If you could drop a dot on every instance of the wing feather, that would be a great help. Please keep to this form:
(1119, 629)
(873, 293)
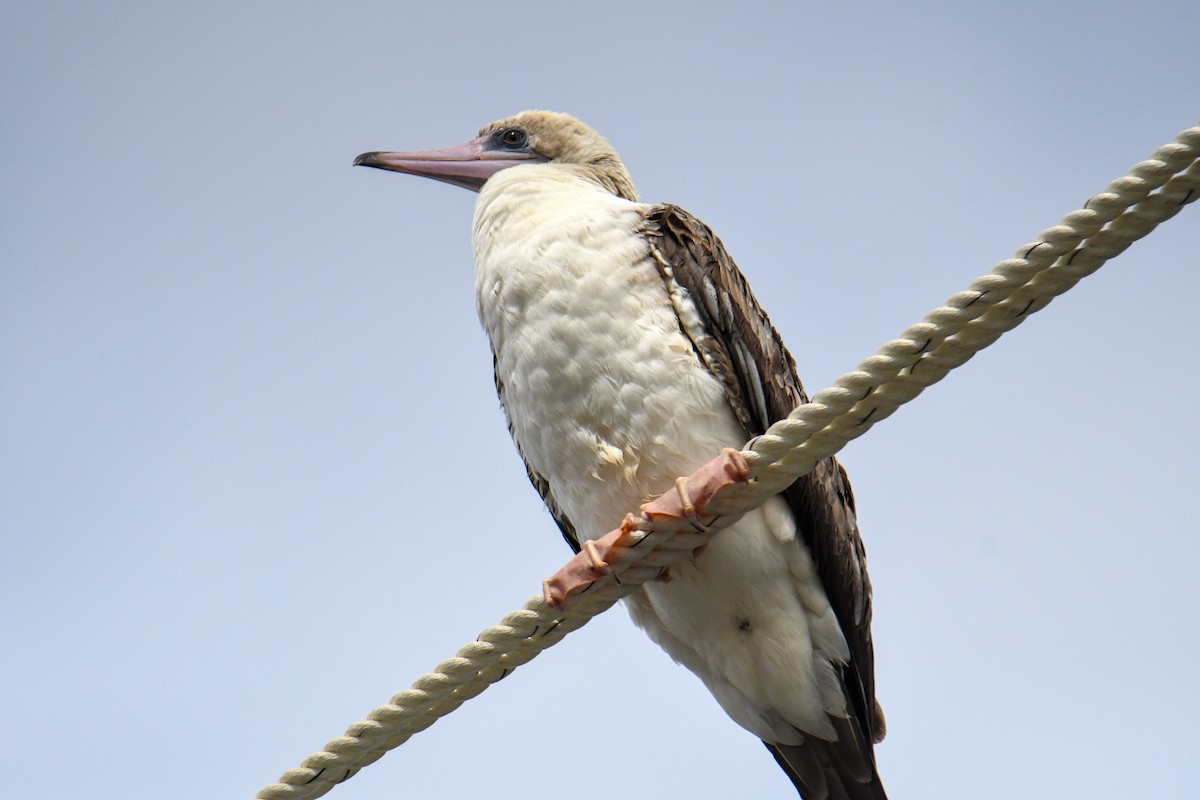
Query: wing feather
(738, 344)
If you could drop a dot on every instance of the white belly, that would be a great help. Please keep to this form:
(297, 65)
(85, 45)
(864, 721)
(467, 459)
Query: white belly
(609, 402)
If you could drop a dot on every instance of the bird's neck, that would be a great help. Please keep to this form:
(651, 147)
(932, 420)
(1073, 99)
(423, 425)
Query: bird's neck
(522, 210)
(543, 231)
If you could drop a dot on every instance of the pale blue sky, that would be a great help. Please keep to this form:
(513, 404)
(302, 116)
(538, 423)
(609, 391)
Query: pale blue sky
(254, 478)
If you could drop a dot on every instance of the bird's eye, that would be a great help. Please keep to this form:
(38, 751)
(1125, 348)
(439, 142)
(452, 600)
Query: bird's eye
(514, 138)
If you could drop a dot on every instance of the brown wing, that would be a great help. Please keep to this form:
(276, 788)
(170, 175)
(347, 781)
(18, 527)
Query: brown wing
(737, 342)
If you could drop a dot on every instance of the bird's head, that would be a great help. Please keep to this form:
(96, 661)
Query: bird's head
(531, 137)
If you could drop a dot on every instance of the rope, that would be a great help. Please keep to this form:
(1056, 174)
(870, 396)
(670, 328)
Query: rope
(971, 320)
(1154, 191)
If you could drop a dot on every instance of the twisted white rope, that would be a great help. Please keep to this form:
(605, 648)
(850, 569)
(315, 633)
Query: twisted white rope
(1131, 207)
(971, 320)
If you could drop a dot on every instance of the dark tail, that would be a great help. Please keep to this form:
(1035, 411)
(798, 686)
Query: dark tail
(841, 770)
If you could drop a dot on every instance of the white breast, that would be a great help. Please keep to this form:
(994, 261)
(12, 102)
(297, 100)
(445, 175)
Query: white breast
(603, 391)
(609, 402)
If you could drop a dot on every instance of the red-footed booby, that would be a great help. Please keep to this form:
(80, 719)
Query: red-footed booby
(629, 351)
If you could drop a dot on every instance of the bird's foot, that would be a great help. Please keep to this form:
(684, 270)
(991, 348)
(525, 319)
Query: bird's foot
(685, 503)
(594, 561)
(694, 493)
(598, 562)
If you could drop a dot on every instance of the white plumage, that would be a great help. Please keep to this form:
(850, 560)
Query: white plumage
(608, 400)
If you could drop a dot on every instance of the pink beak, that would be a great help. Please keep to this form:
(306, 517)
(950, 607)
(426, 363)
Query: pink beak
(467, 165)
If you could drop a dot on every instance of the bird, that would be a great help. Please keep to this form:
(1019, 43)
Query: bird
(628, 350)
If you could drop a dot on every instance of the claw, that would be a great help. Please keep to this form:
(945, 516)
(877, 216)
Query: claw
(689, 507)
(598, 563)
(734, 460)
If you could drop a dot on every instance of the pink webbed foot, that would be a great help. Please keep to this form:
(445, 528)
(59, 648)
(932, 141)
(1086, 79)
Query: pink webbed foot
(591, 563)
(685, 502)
